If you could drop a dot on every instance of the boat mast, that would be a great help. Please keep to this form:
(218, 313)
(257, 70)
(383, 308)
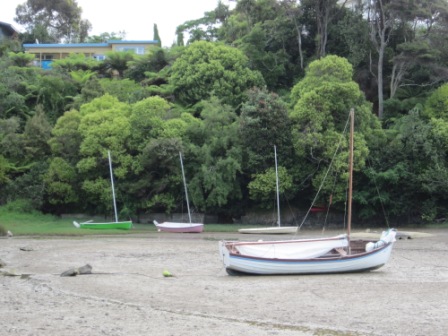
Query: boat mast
(277, 188)
(185, 186)
(350, 181)
(112, 184)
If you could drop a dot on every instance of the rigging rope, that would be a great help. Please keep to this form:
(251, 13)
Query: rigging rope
(326, 174)
(379, 196)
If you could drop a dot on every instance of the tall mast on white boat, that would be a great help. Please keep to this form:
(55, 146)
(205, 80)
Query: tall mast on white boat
(112, 184)
(350, 180)
(185, 186)
(277, 187)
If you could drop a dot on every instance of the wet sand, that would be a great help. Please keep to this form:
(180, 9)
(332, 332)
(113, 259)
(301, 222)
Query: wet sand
(127, 293)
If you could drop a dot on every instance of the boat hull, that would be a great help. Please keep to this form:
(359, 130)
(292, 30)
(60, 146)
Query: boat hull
(357, 262)
(126, 225)
(179, 227)
(270, 230)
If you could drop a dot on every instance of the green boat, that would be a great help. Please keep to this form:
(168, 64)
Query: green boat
(125, 225)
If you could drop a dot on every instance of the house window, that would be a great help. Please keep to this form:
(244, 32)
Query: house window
(99, 57)
(137, 50)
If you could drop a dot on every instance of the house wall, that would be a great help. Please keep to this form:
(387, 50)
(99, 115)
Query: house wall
(45, 53)
(142, 47)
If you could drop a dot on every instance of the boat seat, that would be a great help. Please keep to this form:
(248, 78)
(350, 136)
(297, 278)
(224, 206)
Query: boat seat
(341, 251)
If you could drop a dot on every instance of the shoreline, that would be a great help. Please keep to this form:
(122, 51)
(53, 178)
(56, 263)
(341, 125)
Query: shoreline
(127, 294)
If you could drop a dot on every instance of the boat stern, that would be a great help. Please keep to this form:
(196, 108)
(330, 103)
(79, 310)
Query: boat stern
(224, 252)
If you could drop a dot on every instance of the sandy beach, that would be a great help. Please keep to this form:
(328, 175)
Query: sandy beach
(127, 294)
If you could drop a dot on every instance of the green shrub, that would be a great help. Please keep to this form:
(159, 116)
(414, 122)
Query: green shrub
(19, 206)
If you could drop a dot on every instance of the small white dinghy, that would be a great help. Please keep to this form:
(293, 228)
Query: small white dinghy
(181, 227)
(279, 229)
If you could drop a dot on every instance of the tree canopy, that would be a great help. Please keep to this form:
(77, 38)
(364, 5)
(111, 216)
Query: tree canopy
(206, 68)
(53, 21)
(248, 77)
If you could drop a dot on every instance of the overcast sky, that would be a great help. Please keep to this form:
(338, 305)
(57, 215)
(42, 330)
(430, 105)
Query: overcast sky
(135, 17)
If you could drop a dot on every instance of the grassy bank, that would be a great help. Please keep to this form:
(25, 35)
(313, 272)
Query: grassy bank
(38, 224)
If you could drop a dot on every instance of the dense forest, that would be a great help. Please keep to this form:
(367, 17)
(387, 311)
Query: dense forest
(237, 82)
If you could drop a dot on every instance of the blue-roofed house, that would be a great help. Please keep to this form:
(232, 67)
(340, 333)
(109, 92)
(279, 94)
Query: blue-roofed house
(45, 53)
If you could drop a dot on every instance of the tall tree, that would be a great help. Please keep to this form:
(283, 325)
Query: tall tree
(294, 12)
(322, 13)
(322, 101)
(60, 184)
(382, 17)
(410, 170)
(157, 36)
(104, 125)
(12, 146)
(65, 137)
(159, 182)
(53, 21)
(264, 122)
(207, 68)
(104, 37)
(146, 121)
(27, 180)
(216, 184)
(326, 10)
(271, 35)
(418, 61)
(205, 28)
(54, 93)
(36, 134)
(180, 39)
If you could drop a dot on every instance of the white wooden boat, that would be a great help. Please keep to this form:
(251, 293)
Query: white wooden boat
(316, 256)
(123, 225)
(279, 229)
(181, 227)
(310, 256)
